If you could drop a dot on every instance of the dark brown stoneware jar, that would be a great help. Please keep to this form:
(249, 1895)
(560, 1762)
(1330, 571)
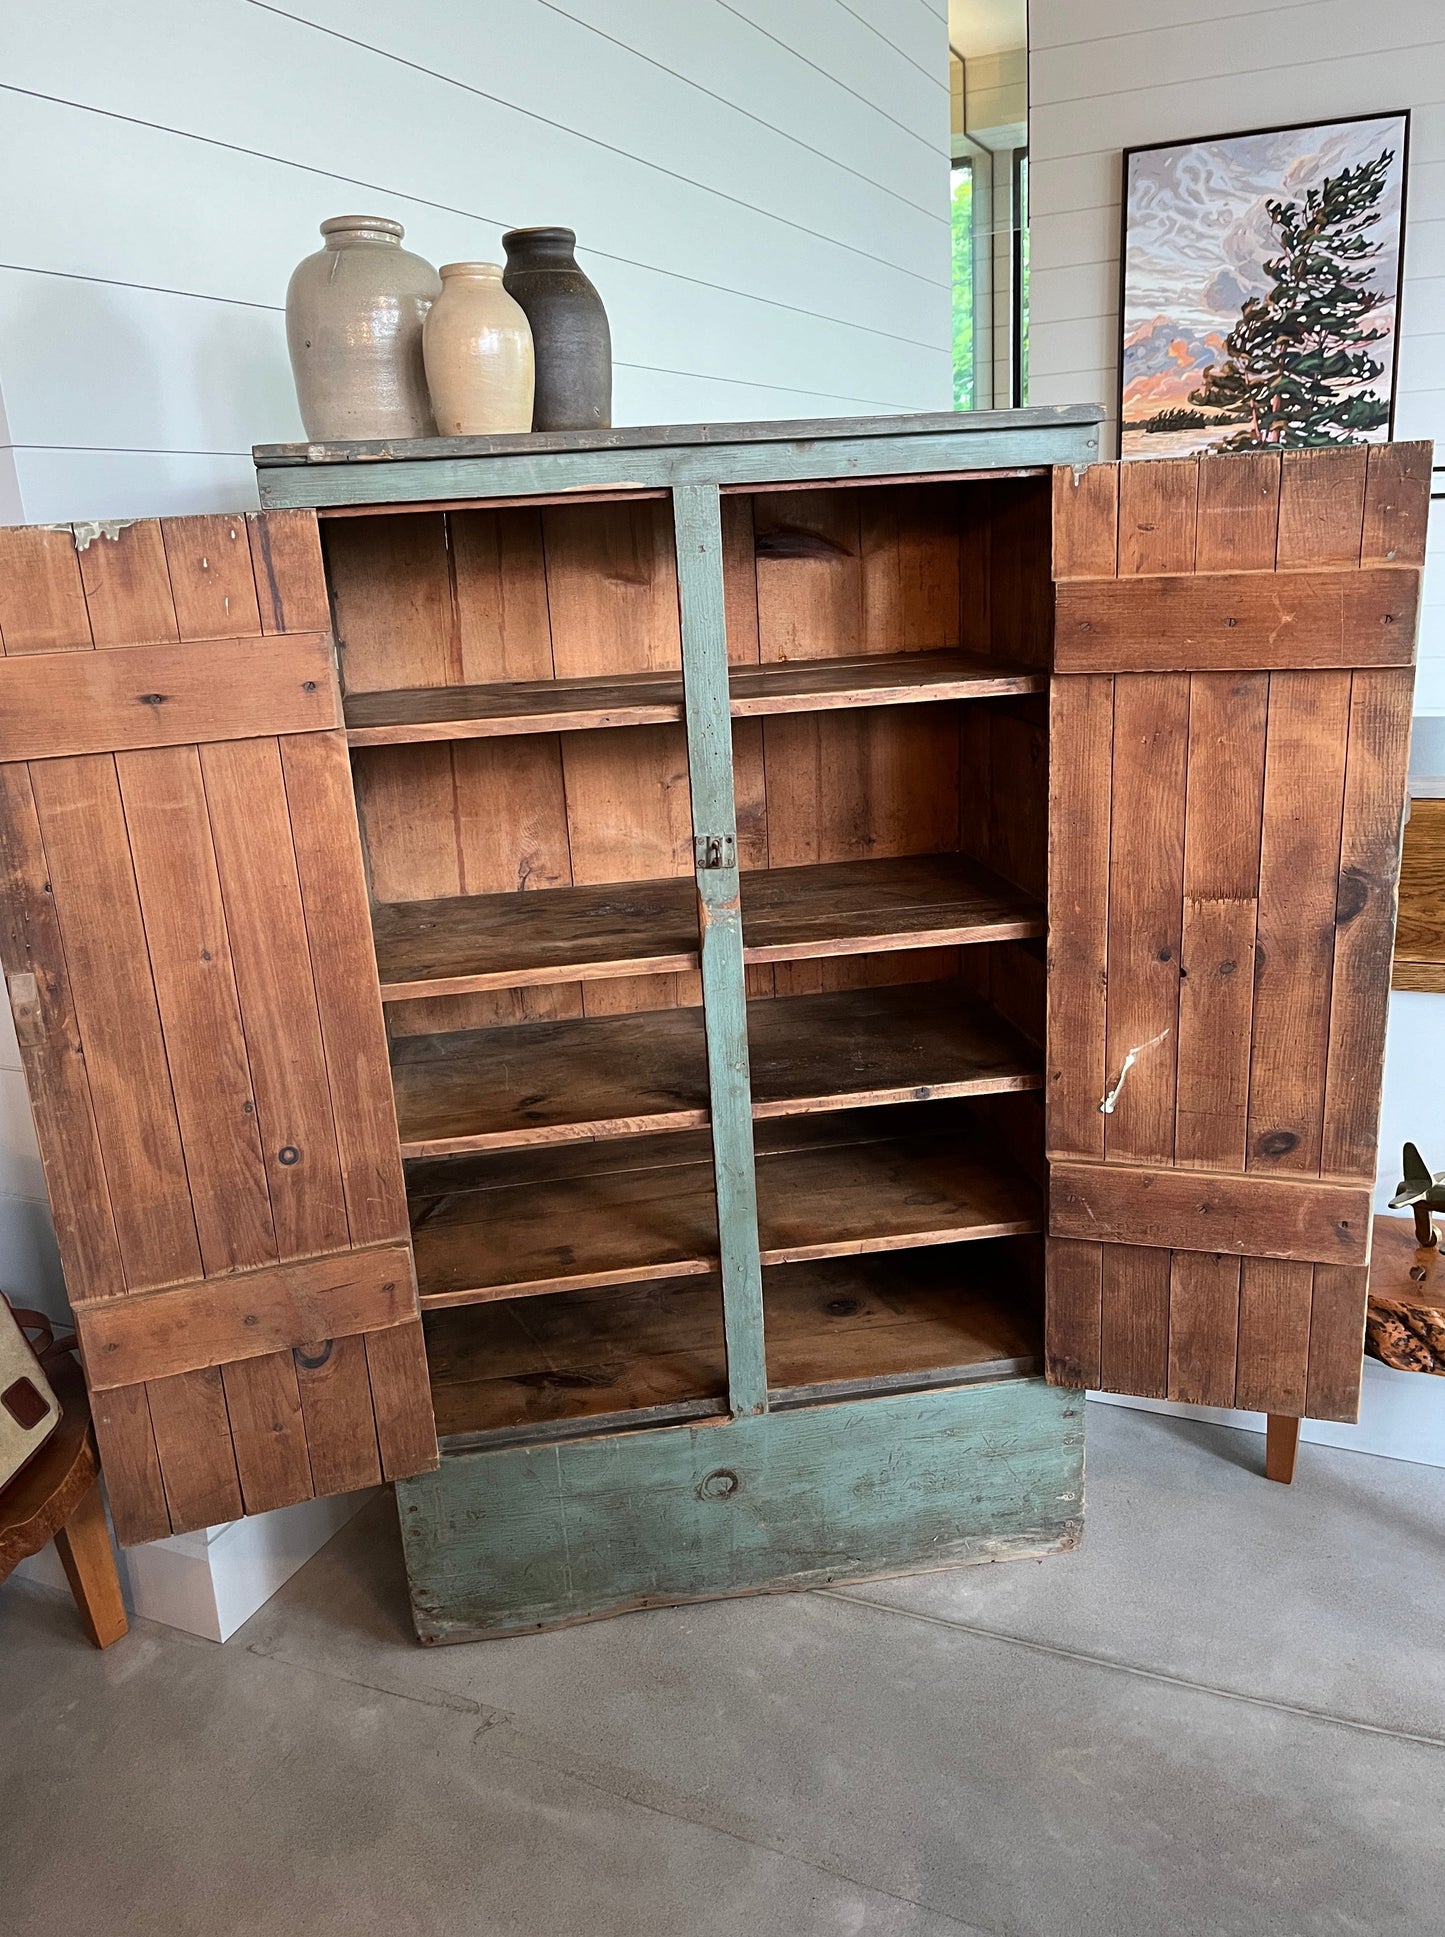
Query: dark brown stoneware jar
(570, 337)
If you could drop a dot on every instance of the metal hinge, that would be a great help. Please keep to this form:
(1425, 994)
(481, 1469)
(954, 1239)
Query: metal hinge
(715, 851)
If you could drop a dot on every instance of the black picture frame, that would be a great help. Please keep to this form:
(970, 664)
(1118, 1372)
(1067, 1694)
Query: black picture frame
(1244, 134)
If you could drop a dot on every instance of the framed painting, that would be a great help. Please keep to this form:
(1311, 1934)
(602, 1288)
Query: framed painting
(1260, 288)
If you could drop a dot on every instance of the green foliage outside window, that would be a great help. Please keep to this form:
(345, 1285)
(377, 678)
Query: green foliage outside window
(962, 217)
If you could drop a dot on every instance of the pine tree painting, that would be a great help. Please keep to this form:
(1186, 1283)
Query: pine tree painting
(1260, 279)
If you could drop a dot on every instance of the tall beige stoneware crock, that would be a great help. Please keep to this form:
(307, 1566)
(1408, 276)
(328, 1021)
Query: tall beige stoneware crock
(477, 344)
(354, 315)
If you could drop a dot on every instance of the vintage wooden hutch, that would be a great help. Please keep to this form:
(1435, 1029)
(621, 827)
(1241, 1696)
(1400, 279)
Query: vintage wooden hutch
(719, 973)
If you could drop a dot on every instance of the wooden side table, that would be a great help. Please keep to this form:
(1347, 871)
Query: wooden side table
(57, 1497)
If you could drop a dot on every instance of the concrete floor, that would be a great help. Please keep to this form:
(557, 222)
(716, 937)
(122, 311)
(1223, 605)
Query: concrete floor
(1224, 1717)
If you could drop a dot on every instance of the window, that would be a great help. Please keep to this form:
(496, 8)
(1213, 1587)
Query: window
(963, 244)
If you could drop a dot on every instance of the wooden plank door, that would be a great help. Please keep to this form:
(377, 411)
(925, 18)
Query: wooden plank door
(1234, 646)
(184, 932)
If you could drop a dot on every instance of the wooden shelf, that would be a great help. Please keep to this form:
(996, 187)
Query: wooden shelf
(653, 1353)
(466, 943)
(563, 1217)
(650, 699)
(616, 1076)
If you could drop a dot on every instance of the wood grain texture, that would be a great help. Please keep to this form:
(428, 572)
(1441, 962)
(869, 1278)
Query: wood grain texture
(1238, 621)
(92, 882)
(48, 1033)
(197, 1454)
(1275, 1297)
(213, 587)
(245, 798)
(268, 1432)
(1376, 762)
(1299, 864)
(318, 793)
(200, 1012)
(849, 1325)
(1206, 1210)
(1073, 1311)
(455, 944)
(1419, 957)
(192, 992)
(1134, 1320)
(128, 1453)
(248, 1315)
(1146, 871)
(1288, 799)
(127, 584)
(1203, 1327)
(1224, 805)
(1081, 732)
(289, 575)
(53, 704)
(1397, 504)
(562, 1217)
(334, 1387)
(850, 1490)
(610, 1076)
(42, 599)
(653, 698)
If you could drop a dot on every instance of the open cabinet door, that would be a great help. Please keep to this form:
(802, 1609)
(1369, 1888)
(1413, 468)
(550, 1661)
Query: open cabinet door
(1234, 646)
(187, 950)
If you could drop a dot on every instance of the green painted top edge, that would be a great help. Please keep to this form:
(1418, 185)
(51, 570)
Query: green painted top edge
(630, 437)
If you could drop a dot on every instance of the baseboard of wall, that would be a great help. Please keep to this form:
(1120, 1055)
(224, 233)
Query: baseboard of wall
(211, 1583)
(1402, 1416)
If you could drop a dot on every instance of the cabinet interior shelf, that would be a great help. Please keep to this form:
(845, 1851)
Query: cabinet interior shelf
(653, 1353)
(468, 943)
(655, 698)
(517, 1224)
(617, 1076)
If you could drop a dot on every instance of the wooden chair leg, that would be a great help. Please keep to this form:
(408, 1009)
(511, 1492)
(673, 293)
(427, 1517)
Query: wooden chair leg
(1281, 1443)
(88, 1558)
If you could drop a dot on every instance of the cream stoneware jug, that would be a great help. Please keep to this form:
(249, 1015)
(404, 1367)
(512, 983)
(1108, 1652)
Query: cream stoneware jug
(354, 315)
(477, 344)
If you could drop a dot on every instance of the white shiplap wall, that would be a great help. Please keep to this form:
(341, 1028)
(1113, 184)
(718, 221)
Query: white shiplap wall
(760, 188)
(1105, 75)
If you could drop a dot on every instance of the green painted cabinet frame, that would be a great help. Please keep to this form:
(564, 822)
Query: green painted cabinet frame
(759, 1500)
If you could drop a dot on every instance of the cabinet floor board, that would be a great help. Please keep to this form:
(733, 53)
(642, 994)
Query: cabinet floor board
(650, 1352)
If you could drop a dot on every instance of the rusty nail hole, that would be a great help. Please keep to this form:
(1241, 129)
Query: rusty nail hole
(152, 699)
(249, 1319)
(308, 685)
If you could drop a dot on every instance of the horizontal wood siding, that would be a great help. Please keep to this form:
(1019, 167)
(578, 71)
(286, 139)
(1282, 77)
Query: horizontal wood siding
(1224, 852)
(186, 950)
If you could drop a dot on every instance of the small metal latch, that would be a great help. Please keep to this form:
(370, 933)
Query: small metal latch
(715, 851)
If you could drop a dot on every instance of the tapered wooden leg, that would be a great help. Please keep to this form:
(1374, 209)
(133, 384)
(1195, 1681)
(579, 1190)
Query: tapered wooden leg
(1281, 1443)
(88, 1558)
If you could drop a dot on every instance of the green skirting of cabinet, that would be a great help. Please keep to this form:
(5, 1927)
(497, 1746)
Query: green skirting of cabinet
(509, 1540)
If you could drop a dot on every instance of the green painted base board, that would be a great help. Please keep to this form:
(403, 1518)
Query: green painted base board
(526, 1537)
